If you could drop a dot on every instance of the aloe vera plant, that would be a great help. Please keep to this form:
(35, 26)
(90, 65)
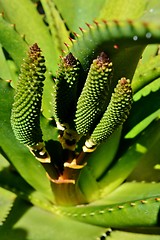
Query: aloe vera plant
(79, 119)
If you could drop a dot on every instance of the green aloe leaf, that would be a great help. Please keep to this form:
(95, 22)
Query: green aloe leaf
(146, 73)
(59, 32)
(6, 201)
(105, 153)
(5, 71)
(12, 41)
(121, 10)
(17, 153)
(32, 223)
(141, 117)
(140, 147)
(130, 191)
(148, 169)
(149, 52)
(125, 214)
(152, 12)
(6, 197)
(116, 235)
(29, 23)
(77, 13)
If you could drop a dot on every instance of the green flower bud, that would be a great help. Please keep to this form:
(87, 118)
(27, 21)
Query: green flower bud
(65, 92)
(26, 109)
(115, 115)
(92, 101)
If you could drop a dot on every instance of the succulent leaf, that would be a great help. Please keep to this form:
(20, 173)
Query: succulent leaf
(17, 47)
(30, 23)
(128, 214)
(25, 116)
(116, 113)
(92, 101)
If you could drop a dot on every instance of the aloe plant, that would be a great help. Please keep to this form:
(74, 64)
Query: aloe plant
(79, 119)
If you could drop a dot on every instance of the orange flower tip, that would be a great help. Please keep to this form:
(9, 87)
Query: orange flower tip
(123, 81)
(34, 48)
(74, 165)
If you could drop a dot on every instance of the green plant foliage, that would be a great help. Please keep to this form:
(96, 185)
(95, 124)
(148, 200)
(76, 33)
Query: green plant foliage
(18, 151)
(93, 124)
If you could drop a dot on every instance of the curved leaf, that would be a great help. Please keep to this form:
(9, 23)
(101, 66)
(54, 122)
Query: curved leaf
(149, 98)
(6, 202)
(27, 165)
(140, 148)
(29, 23)
(116, 235)
(123, 9)
(5, 71)
(12, 41)
(77, 13)
(146, 73)
(134, 213)
(59, 32)
(37, 224)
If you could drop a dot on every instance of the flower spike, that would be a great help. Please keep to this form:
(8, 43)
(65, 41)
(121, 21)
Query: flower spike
(65, 91)
(92, 101)
(26, 109)
(115, 115)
